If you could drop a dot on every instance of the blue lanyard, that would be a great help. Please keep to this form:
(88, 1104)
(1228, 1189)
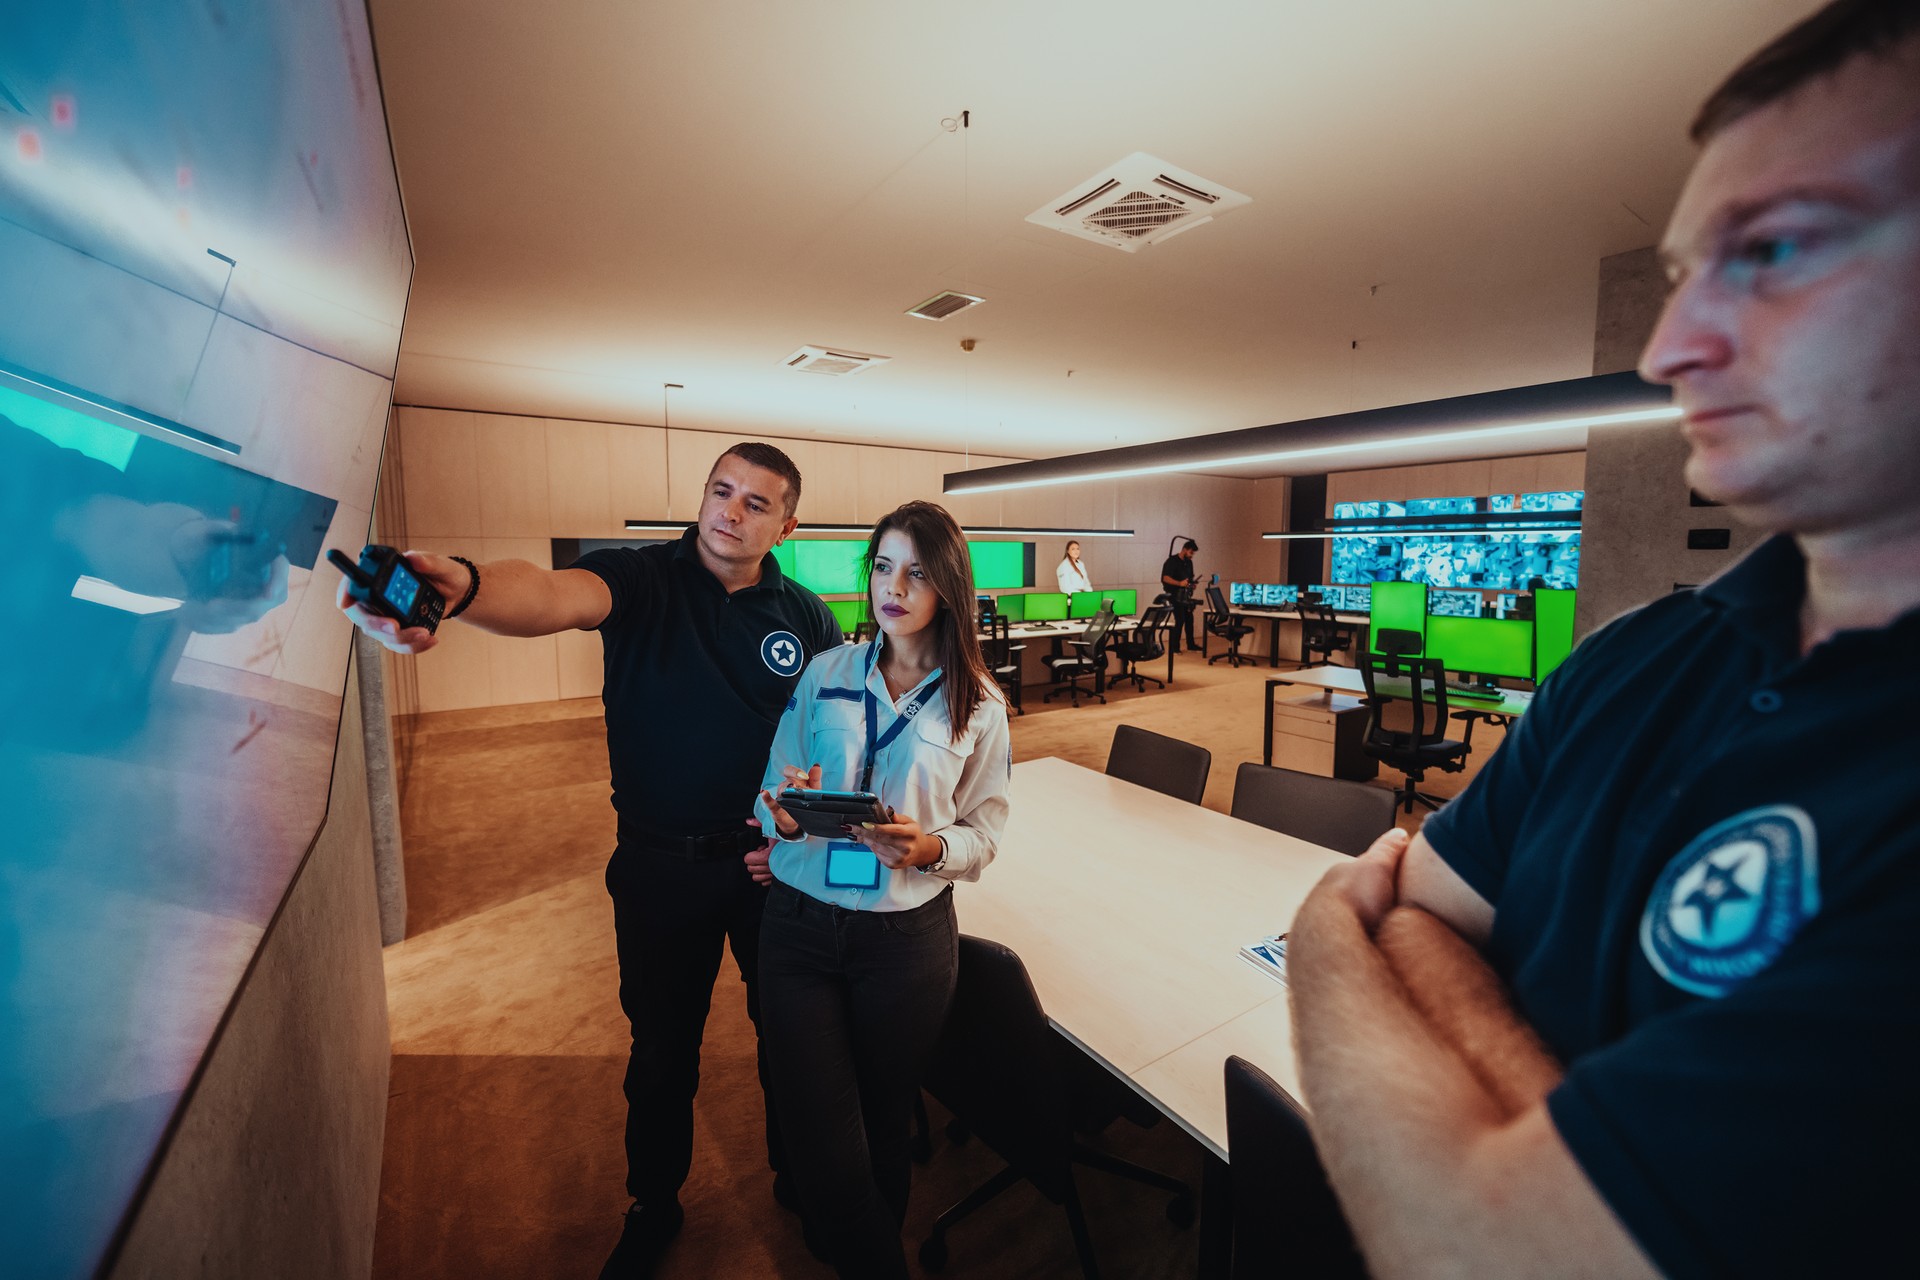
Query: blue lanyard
(875, 745)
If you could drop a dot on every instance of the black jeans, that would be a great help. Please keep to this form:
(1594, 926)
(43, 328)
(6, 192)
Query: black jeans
(855, 1001)
(669, 918)
(1183, 624)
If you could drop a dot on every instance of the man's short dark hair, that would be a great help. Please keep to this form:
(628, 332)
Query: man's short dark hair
(765, 455)
(1814, 48)
(1190, 545)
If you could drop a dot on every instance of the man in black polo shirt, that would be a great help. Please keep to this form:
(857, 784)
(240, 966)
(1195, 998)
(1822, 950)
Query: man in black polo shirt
(1646, 997)
(705, 639)
(1176, 575)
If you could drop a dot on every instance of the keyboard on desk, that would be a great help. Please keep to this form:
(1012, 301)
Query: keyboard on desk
(1474, 691)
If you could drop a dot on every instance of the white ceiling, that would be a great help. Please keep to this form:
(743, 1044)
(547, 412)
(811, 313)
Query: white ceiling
(606, 197)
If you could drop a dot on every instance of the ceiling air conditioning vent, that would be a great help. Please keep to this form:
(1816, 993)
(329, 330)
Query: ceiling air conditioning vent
(942, 305)
(1137, 202)
(832, 362)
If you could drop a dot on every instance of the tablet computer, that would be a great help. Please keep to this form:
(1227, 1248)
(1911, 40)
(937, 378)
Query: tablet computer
(825, 813)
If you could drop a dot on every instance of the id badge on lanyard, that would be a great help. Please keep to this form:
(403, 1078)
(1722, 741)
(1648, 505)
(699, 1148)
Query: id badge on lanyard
(851, 865)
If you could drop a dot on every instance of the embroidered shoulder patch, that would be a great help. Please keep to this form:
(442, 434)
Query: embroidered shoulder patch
(1729, 903)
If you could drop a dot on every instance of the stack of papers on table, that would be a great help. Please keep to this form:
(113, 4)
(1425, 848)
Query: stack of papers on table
(1269, 956)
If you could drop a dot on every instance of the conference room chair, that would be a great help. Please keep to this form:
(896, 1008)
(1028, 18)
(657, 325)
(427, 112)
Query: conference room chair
(1026, 1091)
(1322, 634)
(1223, 622)
(1330, 812)
(1153, 760)
(1145, 641)
(1003, 659)
(1416, 750)
(1088, 660)
(1286, 1221)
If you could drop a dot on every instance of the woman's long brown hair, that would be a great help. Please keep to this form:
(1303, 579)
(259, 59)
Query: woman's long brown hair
(942, 552)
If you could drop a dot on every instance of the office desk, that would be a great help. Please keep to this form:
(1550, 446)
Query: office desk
(1346, 682)
(1129, 909)
(1274, 617)
(1058, 631)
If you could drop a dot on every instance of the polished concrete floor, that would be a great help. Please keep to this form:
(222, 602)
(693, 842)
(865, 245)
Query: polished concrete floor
(503, 1151)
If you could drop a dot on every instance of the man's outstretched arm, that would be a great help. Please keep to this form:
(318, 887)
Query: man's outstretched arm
(1428, 1094)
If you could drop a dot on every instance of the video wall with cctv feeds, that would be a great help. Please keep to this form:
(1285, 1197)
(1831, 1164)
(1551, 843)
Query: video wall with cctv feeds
(1480, 561)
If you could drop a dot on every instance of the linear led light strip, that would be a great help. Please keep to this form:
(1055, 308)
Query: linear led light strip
(668, 526)
(1663, 414)
(1474, 531)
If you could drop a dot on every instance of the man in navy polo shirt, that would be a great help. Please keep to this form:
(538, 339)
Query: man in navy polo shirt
(705, 640)
(1646, 997)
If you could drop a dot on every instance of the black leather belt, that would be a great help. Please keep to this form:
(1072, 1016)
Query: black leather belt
(718, 844)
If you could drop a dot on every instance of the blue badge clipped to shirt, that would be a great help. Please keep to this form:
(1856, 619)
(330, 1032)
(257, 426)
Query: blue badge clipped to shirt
(852, 866)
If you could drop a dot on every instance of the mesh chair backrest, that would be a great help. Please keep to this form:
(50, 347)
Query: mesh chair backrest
(1396, 640)
(1102, 623)
(1145, 642)
(1285, 1216)
(1427, 691)
(1217, 601)
(1330, 812)
(996, 646)
(1153, 760)
(997, 1064)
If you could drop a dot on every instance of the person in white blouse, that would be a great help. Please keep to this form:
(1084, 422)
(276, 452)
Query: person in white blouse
(1071, 572)
(859, 949)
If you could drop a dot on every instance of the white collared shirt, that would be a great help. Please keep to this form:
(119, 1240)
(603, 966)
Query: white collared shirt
(955, 790)
(1070, 578)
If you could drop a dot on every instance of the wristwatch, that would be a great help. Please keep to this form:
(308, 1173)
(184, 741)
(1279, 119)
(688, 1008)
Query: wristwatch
(940, 865)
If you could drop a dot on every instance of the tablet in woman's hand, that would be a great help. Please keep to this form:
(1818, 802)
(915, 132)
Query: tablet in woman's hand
(829, 813)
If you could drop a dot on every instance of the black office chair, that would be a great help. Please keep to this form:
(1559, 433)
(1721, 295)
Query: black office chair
(1222, 621)
(1322, 633)
(1331, 812)
(1167, 765)
(865, 629)
(1090, 661)
(1285, 1217)
(1024, 1090)
(1413, 751)
(1003, 659)
(1144, 642)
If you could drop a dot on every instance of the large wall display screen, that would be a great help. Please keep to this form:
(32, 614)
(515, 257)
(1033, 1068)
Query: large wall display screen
(203, 270)
(1489, 561)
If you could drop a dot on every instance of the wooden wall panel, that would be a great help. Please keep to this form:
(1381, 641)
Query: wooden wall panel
(582, 663)
(637, 477)
(440, 473)
(580, 480)
(1562, 471)
(457, 672)
(1514, 475)
(513, 476)
(521, 669)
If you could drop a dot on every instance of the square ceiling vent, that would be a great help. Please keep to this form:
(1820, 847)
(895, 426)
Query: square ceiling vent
(1140, 201)
(942, 305)
(833, 362)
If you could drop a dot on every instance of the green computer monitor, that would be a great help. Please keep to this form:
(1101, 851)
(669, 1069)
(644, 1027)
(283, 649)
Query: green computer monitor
(1001, 566)
(1125, 603)
(848, 613)
(830, 566)
(1011, 607)
(1552, 629)
(1046, 606)
(1483, 646)
(1083, 604)
(1401, 605)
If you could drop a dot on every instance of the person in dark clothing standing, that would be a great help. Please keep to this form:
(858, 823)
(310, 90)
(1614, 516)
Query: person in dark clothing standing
(1176, 575)
(705, 641)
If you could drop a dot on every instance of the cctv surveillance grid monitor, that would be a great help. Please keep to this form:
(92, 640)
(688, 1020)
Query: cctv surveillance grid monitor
(1240, 593)
(1482, 646)
(1046, 606)
(1278, 595)
(1453, 604)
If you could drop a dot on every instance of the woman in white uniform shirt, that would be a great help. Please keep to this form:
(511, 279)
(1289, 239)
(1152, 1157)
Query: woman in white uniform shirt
(1072, 571)
(858, 947)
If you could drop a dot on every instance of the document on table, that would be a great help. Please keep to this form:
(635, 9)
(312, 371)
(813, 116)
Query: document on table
(1269, 956)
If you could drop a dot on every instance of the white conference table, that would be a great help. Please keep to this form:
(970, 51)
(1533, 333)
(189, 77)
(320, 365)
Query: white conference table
(1129, 909)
